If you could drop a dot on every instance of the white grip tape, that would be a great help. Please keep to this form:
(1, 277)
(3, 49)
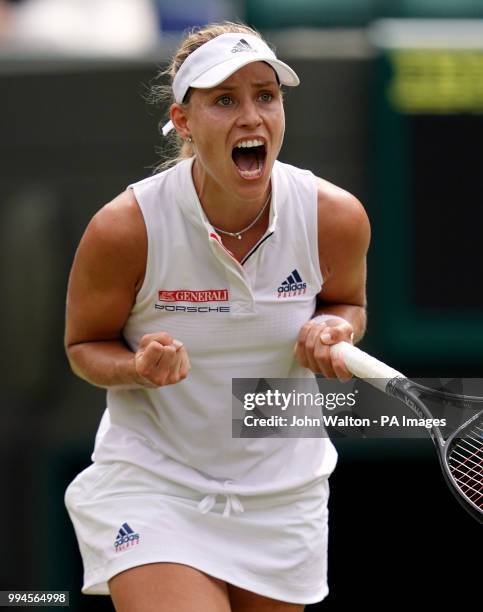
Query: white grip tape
(365, 366)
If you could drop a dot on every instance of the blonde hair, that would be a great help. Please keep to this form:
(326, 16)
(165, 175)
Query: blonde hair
(176, 148)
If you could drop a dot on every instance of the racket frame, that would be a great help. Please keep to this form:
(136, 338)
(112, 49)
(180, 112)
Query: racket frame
(404, 390)
(395, 384)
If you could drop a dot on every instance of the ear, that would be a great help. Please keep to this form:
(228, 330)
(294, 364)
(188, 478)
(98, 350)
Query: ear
(179, 117)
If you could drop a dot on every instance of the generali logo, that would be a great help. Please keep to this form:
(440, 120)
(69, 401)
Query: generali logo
(188, 295)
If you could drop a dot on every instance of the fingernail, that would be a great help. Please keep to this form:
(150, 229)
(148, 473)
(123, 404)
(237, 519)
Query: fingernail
(177, 344)
(325, 337)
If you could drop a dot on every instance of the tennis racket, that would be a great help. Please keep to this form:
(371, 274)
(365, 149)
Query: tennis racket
(461, 452)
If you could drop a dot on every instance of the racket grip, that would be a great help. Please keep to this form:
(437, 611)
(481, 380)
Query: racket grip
(365, 366)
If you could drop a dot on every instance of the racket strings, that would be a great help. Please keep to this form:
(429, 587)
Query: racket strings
(465, 460)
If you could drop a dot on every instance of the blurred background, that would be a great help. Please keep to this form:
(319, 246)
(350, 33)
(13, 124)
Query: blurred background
(390, 108)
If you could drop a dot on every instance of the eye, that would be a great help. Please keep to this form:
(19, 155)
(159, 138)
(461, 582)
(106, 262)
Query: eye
(266, 96)
(224, 100)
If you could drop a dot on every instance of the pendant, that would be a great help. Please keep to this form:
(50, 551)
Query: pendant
(239, 236)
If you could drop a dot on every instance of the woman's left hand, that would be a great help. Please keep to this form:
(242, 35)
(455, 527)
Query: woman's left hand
(312, 348)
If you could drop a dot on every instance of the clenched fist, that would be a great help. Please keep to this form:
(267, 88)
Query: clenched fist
(161, 360)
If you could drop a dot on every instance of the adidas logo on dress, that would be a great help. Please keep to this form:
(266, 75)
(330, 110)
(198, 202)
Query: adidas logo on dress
(243, 45)
(126, 538)
(293, 285)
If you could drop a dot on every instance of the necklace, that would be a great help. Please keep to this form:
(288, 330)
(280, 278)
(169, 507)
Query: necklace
(245, 229)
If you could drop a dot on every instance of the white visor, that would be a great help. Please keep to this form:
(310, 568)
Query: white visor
(216, 60)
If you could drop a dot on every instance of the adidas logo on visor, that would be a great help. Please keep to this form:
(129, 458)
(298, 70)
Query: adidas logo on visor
(243, 45)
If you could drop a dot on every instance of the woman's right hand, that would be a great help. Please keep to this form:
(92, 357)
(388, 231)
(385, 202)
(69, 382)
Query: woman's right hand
(161, 360)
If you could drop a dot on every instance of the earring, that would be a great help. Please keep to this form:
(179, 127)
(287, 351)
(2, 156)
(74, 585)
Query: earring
(189, 139)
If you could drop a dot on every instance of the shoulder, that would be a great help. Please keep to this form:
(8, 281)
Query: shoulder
(115, 242)
(343, 230)
(341, 216)
(119, 222)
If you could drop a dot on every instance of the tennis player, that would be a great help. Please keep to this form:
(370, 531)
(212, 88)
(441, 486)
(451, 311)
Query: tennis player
(229, 264)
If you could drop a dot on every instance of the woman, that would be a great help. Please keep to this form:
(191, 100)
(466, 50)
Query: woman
(229, 264)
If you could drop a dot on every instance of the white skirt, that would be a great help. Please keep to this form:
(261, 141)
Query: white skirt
(273, 545)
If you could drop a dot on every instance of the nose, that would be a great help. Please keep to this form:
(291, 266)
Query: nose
(249, 114)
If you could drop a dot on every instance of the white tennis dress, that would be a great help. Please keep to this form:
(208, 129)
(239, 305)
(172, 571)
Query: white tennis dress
(168, 482)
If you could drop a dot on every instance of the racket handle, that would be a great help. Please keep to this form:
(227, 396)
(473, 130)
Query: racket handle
(365, 366)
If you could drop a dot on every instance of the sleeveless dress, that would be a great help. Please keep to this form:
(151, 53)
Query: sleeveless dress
(168, 481)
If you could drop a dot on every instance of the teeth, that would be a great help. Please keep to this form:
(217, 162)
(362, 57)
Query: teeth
(249, 143)
(250, 173)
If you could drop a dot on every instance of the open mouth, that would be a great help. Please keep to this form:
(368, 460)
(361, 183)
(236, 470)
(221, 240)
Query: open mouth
(249, 158)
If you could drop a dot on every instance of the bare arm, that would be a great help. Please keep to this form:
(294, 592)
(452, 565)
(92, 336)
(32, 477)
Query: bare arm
(107, 272)
(343, 235)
